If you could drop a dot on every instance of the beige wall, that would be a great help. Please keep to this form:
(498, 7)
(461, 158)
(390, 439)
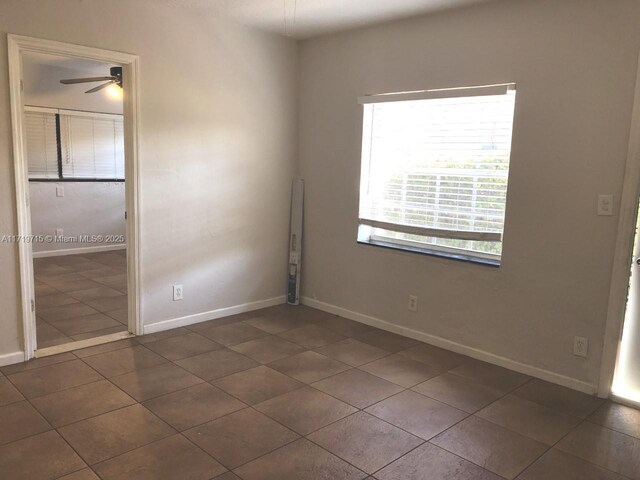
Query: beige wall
(574, 62)
(217, 110)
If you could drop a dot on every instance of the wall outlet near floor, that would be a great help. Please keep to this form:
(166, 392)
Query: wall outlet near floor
(580, 346)
(413, 303)
(177, 292)
(59, 232)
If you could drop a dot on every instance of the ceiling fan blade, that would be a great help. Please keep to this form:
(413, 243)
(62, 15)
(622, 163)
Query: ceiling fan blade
(70, 81)
(100, 87)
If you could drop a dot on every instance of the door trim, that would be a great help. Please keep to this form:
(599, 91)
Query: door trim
(18, 44)
(623, 252)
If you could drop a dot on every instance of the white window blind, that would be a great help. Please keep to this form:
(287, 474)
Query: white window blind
(42, 147)
(92, 146)
(435, 167)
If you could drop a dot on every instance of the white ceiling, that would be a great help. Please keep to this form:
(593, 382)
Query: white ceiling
(315, 17)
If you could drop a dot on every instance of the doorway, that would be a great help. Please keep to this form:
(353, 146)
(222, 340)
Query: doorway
(626, 379)
(76, 186)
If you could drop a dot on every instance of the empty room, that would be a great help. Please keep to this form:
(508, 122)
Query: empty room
(319, 239)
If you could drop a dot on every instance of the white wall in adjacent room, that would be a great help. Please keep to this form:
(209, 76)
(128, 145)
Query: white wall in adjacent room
(86, 209)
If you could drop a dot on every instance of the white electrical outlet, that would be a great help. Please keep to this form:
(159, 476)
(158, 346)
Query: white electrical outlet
(59, 232)
(580, 346)
(177, 292)
(59, 190)
(413, 303)
(605, 205)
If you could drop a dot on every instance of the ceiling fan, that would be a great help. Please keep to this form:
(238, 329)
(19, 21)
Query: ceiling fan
(114, 78)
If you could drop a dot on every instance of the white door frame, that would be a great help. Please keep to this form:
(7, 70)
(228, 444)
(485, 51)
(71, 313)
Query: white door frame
(623, 252)
(17, 45)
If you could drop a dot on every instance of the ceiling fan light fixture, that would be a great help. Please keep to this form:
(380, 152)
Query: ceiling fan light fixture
(114, 91)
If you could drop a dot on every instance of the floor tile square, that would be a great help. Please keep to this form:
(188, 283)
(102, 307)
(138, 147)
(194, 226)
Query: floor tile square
(233, 333)
(357, 388)
(106, 347)
(20, 420)
(96, 293)
(300, 460)
(240, 437)
(37, 363)
(8, 393)
(305, 410)
(267, 349)
(45, 455)
(346, 327)
(49, 336)
(257, 384)
(459, 392)
(63, 312)
(154, 337)
(40, 381)
(78, 403)
(183, 346)
(275, 323)
(55, 300)
(171, 458)
(430, 462)
(388, 341)
(557, 465)
(610, 449)
(497, 449)
(490, 375)
(417, 414)
(352, 352)
(365, 441)
(194, 405)
(529, 419)
(216, 364)
(125, 360)
(85, 323)
(153, 382)
(312, 336)
(618, 417)
(400, 370)
(559, 398)
(84, 474)
(110, 434)
(438, 358)
(309, 366)
(106, 304)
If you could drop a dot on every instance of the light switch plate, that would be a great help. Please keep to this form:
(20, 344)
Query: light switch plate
(605, 205)
(59, 190)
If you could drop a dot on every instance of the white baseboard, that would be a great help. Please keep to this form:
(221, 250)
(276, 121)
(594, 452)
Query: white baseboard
(11, 358)
(79, 250)
(212, 314)
(478, 354)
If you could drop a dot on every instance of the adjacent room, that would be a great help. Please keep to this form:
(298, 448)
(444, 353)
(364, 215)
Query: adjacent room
(317, 239)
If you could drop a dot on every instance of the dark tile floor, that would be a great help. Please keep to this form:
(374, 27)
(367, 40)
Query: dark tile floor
(291, 393)
(80, 296)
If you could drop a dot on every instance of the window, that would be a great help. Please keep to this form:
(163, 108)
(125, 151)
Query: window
(64, 144)
(42, 146)
(435, 167)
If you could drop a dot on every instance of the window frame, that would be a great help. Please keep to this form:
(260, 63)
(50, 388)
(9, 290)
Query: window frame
(57, 112)
(365, 229)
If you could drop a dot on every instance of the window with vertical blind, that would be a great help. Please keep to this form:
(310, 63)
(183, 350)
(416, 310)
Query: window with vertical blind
(92, 145)
(68, 145)
(435, 168)
(42, 146)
